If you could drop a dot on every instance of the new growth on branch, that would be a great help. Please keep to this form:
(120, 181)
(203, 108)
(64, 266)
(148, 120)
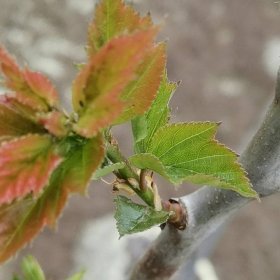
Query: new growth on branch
(47, 154)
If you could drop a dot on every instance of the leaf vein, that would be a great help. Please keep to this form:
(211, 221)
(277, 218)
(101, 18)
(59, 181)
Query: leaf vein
(184, 140)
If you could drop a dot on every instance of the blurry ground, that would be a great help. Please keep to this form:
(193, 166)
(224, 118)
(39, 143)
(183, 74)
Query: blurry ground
(225, 52)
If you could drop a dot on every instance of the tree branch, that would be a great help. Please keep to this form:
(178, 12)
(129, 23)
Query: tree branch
(209, 207)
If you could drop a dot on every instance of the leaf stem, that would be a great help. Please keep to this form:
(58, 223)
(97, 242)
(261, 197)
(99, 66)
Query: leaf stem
(115, 156)
(139, 185)
(127, 173)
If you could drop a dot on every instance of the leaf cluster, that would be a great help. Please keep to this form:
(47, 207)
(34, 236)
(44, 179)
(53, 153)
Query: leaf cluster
(46, 154)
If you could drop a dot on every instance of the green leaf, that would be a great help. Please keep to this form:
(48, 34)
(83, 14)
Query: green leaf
(31, 269)
(139, 128)
(189, 152)
(132, 217)
(77, 276)
(156, 117)
(101, 172)
(83, 158)
(148, 161)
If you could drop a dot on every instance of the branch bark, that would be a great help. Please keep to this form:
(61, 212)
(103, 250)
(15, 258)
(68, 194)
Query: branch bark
(209, 207)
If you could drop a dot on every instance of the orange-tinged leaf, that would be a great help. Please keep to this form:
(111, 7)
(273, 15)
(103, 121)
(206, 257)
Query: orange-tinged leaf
(22, 220)
(55, 122)
(140, 93)
(28, 99)
(26, 163)
(99, 85)
(107, 108)
(9, 67)
(40, 85)
(15, 81)
(30, 88)
(25, 111)
(13, 124)
(113, 18)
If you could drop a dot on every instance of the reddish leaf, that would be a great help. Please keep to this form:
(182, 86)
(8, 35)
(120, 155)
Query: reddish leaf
(54, 122)
(41, 86)
(15, 81)
(25, 111)
(140, 93)
(113, 18)
(30, 88)
(108, 108)
(22, 220)
(26, 164)
(98, 87)
(28, 99)
(13, 124)
(8, 67)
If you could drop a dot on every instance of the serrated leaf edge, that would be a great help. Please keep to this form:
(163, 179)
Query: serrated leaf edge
(141, 217)
(213, 140)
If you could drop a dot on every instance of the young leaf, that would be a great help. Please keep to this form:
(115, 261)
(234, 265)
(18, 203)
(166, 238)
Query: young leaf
(140, 93)
(21, 220)
(154, 118)
(30, 88)
(97, 89)
(10, 101)
(189, 152)
(9, 67)
(14, 124)
(41, 86)
(113, 18)
(54, 122)
(31, 269)
(82, 161)
(101, 172)
(25, 96)
(139, 130)
(132, 217)
(26, 164)
(148, 161)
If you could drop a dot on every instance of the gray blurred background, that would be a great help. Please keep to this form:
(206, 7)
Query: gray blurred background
(225, 52)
